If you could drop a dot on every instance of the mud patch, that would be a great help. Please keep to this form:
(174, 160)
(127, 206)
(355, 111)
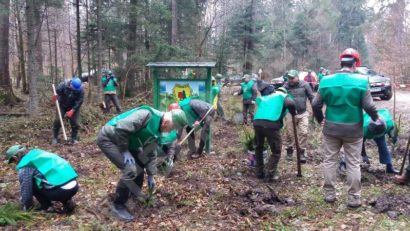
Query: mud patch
(392, 205)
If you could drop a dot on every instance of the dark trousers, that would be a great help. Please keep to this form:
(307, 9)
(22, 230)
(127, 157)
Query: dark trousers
(220, 111)
(384, 153)
(248, 108)
(275, 143)
(114, 99)
(203, 137)
(74, 122)
(113, 153)
(46, 196)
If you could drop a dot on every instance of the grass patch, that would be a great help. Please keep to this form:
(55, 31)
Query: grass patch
(10, 214)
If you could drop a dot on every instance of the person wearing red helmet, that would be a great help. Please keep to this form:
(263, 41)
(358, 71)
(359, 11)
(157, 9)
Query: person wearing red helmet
(346, 94)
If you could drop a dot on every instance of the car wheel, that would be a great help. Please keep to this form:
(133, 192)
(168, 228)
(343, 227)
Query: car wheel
(387, 95)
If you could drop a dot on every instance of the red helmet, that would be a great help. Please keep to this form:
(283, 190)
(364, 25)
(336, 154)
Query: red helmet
(352, 53)
(173, 106)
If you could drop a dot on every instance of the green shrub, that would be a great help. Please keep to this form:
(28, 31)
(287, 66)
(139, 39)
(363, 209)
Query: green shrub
(10, 214)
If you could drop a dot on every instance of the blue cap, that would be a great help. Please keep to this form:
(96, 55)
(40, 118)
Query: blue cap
(76, 84)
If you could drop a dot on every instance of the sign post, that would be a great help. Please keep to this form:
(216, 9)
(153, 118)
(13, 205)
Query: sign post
(175, 81)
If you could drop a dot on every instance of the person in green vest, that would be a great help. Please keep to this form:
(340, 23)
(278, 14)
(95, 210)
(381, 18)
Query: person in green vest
(110, 84)
(322, 73)
(249, 93)
(44, 175)
(267, 124)
(195, 110)
(377, 131)
(129, 141)
(346, 94)
(216, 96)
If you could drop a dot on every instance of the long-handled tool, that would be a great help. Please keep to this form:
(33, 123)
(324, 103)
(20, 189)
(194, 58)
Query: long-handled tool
(193, 129)
(59, 113)
(297, 147)
(404, 157)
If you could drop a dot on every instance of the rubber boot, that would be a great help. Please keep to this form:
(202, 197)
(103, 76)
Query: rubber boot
(302, 156)
(121, 212)
(365, 160)
(55, 137)
(68, 207)
(289, 153)
(390, 169)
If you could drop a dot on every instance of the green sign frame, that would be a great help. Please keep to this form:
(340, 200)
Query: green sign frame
(158, 68)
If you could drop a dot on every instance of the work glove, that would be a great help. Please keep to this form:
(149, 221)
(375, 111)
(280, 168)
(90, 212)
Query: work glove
(151, 182)
(128, 158)
(70, 114)
(253, 102)
(236, 93)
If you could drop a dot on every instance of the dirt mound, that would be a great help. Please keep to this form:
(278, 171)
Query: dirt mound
(393, 205)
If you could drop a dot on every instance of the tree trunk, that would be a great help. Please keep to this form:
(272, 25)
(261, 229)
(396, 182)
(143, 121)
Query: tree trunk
(174, 26)
(99, 41)
(131, 48)
(33, 67)
(38, 20)
(71, 49)
(79, 70)
(50, 50)
(249, 40)
(6, 91)
(20, 48)
(90, 82)
(55, 57)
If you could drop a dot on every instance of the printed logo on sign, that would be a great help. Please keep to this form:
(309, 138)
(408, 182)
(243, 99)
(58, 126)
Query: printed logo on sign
(182, 91)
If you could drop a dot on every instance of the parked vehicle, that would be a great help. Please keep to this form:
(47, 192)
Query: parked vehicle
(380, 86)
(278, 82)
(235, 79)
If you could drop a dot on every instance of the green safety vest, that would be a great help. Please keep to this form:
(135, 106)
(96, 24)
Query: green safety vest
(385, 115)
(145, 136)
(270, 107)
(55, 169)
(110, 87)
(215, 91)
(168, 138)
(190, 114)
(320, 75)
(342, 93)
(247, 90)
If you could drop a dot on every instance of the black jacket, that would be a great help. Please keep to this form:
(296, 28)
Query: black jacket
(68, 98)
(301, 92)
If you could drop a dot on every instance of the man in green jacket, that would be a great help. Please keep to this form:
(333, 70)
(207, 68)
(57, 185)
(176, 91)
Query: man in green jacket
(110, 84)
(249, 93)
(216, 96)
(130, 140)
(44, 175)
(267, 124)
(195, 110)
(346, 94)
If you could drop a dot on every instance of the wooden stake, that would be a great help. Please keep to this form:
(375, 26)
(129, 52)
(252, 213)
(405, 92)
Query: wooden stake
(59, 113)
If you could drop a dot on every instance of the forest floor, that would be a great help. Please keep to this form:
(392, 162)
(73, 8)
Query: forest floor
(216, 192)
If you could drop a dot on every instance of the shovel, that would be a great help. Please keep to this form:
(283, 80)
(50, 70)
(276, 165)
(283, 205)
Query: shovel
(59, 113)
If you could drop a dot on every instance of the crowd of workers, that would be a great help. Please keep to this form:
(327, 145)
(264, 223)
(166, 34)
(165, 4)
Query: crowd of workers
(131, 139)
